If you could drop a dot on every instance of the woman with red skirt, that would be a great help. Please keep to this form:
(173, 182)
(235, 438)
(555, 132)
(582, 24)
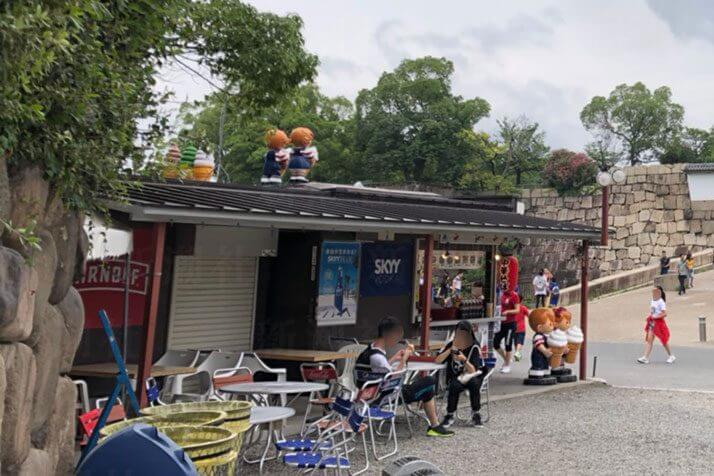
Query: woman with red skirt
(656, 326)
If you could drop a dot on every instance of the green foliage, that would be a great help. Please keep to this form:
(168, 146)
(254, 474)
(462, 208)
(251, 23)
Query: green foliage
(77, 74)
(486, 168)
(244, 145)
(410, 127)
(569, 172)
(637, 122)
(692, 146)
(26, 235)
(524, 148)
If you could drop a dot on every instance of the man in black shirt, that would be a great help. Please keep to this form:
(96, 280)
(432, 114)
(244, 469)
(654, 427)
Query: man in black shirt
(664, 263)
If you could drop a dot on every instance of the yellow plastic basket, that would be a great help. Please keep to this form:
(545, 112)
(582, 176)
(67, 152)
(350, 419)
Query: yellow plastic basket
(221, 465)
(120, 425)
(235, 409)
(196, 418)
(238, 427)
(201, 441)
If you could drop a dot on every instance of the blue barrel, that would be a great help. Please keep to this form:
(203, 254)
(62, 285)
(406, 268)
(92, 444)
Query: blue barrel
(137, 449)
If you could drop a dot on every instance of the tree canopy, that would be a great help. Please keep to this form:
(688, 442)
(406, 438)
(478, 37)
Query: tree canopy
(637, 122)
(410, 126)
(77, 74)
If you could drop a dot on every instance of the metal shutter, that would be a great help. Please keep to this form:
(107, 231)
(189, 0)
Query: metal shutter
(212, 303)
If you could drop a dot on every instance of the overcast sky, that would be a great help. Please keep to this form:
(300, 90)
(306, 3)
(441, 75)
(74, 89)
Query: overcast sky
(541, 58)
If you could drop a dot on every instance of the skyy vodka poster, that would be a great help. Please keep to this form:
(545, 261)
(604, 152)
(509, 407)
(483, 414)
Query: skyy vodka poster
(338, 283)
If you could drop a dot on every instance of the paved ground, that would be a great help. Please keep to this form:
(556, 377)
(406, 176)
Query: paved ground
(621, 318)
(592, 429)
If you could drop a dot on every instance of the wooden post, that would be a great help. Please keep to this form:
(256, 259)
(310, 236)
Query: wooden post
(584, 310)
(426, 292)
(152, 304)
(605, 216)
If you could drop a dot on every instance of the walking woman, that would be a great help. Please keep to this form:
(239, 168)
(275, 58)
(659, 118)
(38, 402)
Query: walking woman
(656, 326)
(690, 269)
(682, 274)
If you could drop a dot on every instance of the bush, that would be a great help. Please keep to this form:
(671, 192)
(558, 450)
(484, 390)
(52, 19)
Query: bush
(569, 172)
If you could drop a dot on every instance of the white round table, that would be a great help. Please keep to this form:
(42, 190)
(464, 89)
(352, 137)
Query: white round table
(274, 388)
(267, 415)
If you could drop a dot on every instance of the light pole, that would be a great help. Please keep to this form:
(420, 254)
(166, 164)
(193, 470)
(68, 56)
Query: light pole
(606, 178)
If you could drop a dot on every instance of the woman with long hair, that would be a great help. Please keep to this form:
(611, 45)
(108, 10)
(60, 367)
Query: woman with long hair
(656, 326)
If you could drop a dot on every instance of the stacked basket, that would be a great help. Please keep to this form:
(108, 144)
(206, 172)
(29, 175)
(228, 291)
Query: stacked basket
(211, 433)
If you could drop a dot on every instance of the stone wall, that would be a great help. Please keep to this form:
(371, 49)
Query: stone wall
(650, 213)
(41, 322)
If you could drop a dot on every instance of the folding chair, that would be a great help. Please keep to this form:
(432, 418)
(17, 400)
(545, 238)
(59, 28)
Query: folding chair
(323, 373)
(88, 421)
(383, 409)
(152, 392)
(336, 435)
(485, 402)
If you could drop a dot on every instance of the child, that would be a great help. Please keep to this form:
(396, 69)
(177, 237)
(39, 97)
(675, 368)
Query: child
(553, 292)
(464, 371)
(520, 328)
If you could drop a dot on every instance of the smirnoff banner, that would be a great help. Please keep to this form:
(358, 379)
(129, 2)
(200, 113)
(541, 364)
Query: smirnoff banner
(386, 269)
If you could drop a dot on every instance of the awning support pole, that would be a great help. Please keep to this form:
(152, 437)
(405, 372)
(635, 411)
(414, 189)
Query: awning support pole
(426, 292)
(605, 215)
(152, 305)
(584, 310)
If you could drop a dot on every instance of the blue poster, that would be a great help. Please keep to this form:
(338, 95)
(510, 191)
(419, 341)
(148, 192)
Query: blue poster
(337, 285)
(386, 269)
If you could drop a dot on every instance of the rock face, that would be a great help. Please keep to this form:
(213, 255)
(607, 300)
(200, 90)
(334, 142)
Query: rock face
(41, 324)
(18, 286)
(20, 373)
(650, 213)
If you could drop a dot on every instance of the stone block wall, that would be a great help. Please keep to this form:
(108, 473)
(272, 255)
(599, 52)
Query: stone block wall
(650, 213)
(41, 322)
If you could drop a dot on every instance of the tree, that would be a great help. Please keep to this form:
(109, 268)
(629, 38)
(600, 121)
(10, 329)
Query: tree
(329, 118)
(638, 123)
(569, 172)
(524, 147)
(486, 167)
(409, 127)
(692, 146)
(77, 74)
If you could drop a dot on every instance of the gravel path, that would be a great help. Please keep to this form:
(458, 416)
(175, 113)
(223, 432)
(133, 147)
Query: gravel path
(593, 429)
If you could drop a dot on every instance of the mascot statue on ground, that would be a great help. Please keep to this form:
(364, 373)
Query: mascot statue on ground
(276, 159)
(561, 323)
(302, 156)
(541, 321)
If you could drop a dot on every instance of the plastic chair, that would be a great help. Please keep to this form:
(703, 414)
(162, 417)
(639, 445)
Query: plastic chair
(250, 360)
(195, 383)
(223, 377)
(346, 378)
(88, 421)
(337, 343)
(178, 358)
(323, 373)
(83, 395)
(201, 382)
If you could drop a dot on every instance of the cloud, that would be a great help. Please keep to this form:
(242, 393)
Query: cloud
(688, 19)
(521, 30)
(333, 66)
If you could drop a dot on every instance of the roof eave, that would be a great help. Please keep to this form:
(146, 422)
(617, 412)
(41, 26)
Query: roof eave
(217, 217)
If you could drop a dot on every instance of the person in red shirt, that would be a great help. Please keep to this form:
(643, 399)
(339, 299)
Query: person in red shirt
(521, 318)
(509, 308)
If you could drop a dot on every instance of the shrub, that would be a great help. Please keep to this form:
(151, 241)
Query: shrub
(569, 172)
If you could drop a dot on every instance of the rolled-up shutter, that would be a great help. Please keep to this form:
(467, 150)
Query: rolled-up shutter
(212, 303)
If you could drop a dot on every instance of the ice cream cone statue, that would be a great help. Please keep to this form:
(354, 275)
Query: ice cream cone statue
(575, 340)
(302, 156)
(275, 161)
(171, 165)
(188, 155)
(558, 345)
(203, 166)
(541, 321)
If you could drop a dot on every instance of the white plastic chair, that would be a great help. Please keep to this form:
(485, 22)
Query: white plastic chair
(251, 361)
(195, 383)
(346, 378)
(178, 358)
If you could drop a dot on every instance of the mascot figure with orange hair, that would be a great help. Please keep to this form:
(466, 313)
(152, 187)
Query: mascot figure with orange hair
(541, 321)
(276, 159)
(302, 156)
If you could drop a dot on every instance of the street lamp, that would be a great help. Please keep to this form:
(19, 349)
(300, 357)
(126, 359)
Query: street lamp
(606, 178)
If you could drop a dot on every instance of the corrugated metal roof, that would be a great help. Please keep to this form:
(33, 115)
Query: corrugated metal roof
(699, 168)
(296, 205)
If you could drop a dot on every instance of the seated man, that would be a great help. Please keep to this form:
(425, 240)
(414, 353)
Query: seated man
(464, 371)
(373, 362)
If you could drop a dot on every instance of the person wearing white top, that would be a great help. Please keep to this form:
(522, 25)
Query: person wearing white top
(656, 326)
(540, 288)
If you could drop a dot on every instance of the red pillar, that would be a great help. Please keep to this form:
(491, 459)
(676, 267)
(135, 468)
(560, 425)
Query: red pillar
(584, 310)
(426, 292)
(152, 304)
(605, 215)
